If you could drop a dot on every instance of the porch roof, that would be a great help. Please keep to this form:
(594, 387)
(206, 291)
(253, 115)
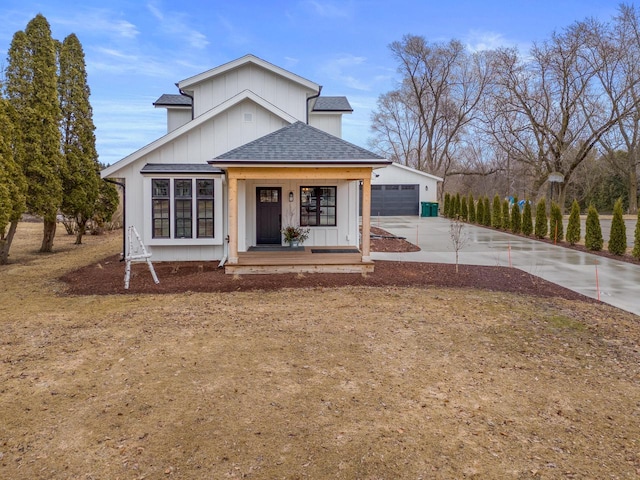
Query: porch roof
(299, 144)
(332, 104)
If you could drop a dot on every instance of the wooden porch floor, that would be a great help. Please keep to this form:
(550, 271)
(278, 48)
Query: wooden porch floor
(334, 259)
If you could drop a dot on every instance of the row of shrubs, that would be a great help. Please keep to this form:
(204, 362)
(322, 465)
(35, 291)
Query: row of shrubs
(517, 217)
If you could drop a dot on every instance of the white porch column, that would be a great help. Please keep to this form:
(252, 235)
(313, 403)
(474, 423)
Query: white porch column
(366, 218)
(233, 220)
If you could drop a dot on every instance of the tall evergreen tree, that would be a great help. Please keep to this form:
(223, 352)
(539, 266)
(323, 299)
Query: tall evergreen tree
(527, 222)
(31, 87)
(516, 217)
(541, 219)
(472, 209)
(106, 204)
(593, 231)
(636, 239)
(480, 212)
(506, 215)
(486, 220)
(13, 185)
(464, 210)
(456, 206)
(496, 218)
(556, 228)
(447, 204)
(81, 178)
(618, 235)
(573, 227)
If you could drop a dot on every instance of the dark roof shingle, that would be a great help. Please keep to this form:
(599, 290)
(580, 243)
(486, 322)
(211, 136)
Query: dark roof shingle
(332, 104)
(300, 143)
(172, 100)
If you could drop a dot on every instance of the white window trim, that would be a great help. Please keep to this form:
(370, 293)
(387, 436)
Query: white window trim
(218, 223)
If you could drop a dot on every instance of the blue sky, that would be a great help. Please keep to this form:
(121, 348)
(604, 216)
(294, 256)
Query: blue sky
(137, 50)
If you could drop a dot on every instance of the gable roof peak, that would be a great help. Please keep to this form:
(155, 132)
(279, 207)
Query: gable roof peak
(187, 83)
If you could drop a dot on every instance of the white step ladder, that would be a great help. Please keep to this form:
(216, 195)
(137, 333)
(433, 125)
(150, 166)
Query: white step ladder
(134, 255)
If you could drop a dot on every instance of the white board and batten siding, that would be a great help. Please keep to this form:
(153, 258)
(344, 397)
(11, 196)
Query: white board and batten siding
(330, 123)
(275, 89)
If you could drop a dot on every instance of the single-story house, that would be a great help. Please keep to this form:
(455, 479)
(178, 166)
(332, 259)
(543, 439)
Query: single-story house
(250, 149)
(400, 190)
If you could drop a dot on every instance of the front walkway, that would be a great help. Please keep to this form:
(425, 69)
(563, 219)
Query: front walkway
(619, 282)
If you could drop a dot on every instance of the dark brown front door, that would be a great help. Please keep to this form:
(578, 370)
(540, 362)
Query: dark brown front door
(268, 215)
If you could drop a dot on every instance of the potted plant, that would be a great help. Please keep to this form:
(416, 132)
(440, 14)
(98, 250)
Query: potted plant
(295, 236)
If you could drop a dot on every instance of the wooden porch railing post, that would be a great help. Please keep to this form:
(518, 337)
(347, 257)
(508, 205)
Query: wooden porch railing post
(366, 218)
(233, 220)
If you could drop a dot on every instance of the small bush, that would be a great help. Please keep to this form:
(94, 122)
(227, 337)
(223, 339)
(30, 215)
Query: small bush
(593, 232)
(527, 221)
(573, 227)
(556, 228)
(618, 237)
(541, 219)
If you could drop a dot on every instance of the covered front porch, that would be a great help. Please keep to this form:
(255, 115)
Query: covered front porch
(324, 251)
(302, 177)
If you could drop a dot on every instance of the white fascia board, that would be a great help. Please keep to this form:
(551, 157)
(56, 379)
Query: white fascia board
(189, 82)
(419, 172)
(111, 170)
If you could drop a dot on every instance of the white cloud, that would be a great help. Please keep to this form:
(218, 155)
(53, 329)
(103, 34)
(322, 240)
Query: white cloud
(98, 21)
(117, 62)
(345, 70)
(155, 11)
(327, 9)
(477, 40)
(178, 25)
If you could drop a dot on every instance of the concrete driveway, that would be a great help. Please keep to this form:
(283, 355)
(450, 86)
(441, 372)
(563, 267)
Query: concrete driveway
(617, 283)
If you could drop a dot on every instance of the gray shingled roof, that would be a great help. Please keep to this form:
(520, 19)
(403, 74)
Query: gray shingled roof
(332, 104)
(299, 143)
(180, 168)
(172, 100)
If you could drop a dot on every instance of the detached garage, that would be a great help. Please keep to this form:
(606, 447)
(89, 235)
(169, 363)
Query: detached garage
(399, 190)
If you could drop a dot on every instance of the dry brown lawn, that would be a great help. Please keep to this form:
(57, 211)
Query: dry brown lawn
(346, 383)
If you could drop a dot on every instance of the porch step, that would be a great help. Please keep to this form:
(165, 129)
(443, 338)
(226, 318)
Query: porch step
(360, 268)
(301, 260)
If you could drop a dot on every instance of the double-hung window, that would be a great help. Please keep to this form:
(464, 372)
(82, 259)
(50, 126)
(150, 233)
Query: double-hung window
(183, 208)
(177, 202)
(318, 206)
(205, 208)
(160, 207)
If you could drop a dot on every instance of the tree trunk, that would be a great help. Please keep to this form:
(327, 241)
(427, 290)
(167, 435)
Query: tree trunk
(5, 243)
(49, 234)
(562, 195)
(633, 187)
(81, 228)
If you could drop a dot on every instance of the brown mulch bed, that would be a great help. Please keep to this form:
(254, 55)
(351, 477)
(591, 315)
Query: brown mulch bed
(107, 277)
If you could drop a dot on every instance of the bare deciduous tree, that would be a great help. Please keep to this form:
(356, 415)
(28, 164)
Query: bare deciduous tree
(624, 43)
(421, 124)
(557, 95)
